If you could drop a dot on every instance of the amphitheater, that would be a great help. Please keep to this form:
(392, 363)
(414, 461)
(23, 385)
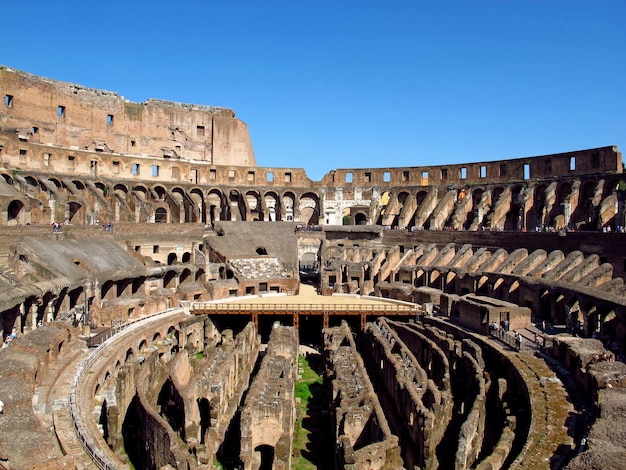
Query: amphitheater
(159, 292)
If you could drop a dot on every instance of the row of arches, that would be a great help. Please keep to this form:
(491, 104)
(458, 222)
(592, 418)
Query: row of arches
(48, 199)
(574, 204)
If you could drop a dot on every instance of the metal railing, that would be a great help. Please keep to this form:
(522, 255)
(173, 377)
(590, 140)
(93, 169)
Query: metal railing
(90, 447)
(346, 309)
(508, 338)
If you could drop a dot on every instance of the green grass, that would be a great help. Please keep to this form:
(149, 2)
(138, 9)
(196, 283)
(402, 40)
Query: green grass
(303, 392)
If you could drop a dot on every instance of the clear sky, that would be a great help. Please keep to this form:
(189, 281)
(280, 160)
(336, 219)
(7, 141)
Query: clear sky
(351, 84)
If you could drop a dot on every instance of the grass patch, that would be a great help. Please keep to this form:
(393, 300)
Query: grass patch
(303, 391)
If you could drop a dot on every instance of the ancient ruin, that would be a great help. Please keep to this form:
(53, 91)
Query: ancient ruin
(153, 302)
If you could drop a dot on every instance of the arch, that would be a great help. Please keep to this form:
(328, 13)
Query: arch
(515, 216)
(105, 289)
(537, 215)
(434, 276)
(197, 197)
(482, 286)
(545, 305)
(289, 206)
(561, 210)
(143, 345)
(186, 258)
(217, 207)
(101, 187)
(402, 195)
(78, 184)
(172, 258)
(184, 275)
(309, 207)
(130, 354)
(253, 205)
(168, 279)
(121, 187)
(474, 216)
(272, 206)
(15, 212)
(74, 212)
(32, 181)
(204, 410)
(236, 205)
(158, 192)
(57, 183)
(172, 407)
(141, 192)
(160, 215)
(265, 456)
(584, 217)
(360, 218)
(199, 275)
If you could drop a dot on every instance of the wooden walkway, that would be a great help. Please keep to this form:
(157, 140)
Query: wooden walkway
(325, 310)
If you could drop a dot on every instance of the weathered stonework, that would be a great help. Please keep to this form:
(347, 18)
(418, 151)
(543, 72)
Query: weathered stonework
(363, 438)
(268, 414)
(181, 187)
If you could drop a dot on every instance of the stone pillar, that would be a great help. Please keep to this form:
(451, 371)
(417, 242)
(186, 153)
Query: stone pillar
(49, 312)
(30, 317)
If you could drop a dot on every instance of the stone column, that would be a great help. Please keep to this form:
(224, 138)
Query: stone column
(49, 311)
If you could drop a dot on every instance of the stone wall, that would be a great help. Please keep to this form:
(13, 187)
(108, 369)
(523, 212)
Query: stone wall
(268, 415)
(48, 112)
(363, 438)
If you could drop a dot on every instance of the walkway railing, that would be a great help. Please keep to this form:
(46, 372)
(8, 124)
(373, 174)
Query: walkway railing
(311, 309)
(90, 447)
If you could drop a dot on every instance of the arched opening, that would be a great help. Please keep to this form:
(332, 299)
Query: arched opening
(172, 407)
(272, 207)
(253, 204)
(289, 204)
(74, 209)
(309, 209)
(360, 219)
(265, 457)
(204, 409)
(14, 213)
(160, 216)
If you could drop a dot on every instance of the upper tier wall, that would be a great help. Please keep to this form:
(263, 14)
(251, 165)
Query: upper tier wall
(47, 124)
(576, 163)
(71, 116)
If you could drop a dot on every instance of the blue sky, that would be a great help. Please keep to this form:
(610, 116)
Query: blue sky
(352, 84)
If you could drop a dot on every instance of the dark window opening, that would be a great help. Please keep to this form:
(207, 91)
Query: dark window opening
(61, 111)
(595, 160)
